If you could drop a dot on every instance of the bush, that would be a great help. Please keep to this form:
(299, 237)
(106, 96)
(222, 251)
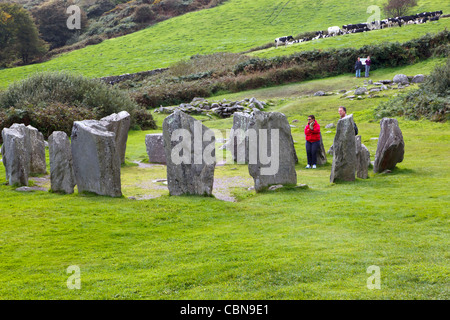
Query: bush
(53, 100)
(431, 100)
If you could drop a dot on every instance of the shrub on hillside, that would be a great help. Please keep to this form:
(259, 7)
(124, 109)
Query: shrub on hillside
(53, 100)
(431, 100)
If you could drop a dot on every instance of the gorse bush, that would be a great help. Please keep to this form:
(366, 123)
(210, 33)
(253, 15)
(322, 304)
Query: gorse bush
(431, 100)
(53, 100)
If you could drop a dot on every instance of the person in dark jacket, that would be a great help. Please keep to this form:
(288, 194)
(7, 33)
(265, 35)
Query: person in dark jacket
(358, 67)
(368, 62)
(312, 135)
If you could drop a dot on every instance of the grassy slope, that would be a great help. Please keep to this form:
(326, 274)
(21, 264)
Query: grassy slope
(235, 26)
(356, 40)
(303, 244)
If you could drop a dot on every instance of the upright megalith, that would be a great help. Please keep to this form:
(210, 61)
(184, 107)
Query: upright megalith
(15, 157)
(37, 152)
(321, 153)
(154, 144)
(35, 147)
(96, 161)
(272, 154)
(390, 148)
(119, 123)
(362, 159)
(190, 155)
(238, 141)
(344, 151)
(62, 178)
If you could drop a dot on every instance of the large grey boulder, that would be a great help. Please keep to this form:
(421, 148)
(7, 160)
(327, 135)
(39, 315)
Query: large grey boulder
(15, 157)
(401, 79)
(344, 151)
(419, 78)
(272, 155)
(362, 159)
(62, 178)
(96, 162)
(154, 144)
(390, 147)
(190, 155)
(119, 123)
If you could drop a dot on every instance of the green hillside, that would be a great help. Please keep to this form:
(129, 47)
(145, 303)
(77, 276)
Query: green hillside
(235, 26)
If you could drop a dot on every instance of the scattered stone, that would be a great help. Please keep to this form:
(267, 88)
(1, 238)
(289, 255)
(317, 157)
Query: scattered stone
(275, 187)
(154, 144)
(30, 189)
(96, 161)
(330, 125)
(401, 79)
(391, 147)
(119, 124)
(385, 81)
(294, 121)
(344, 151)
(319, 93)
(62, 178)
(279, 167)
(360, 90)
(190, 155)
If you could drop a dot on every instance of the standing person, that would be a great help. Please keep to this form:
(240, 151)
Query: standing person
(312, 135)
(368, 62)
(343, 112)
(358, 67)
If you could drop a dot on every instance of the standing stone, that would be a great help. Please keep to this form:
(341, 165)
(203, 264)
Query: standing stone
(15, 157)
(154, 144)
(119, 124)
(38, 163)
(362, 159)
(272, 155)
(62, 178)
(238, 142)
(96, 162)
(390, 147)
(321, 154)
(344, 151)
(190, 155)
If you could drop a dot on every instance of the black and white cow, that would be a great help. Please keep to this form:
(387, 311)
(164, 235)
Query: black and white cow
(283, 40)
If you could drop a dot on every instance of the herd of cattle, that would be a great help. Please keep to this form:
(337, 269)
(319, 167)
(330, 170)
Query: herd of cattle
(364, 27)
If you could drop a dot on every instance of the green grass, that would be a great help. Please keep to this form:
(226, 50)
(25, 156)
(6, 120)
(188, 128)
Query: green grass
(358, 40)
(235, 26)
(314, 243)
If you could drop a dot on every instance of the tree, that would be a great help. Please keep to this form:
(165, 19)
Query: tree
(51, 18)
(19, 37)
(398, 8)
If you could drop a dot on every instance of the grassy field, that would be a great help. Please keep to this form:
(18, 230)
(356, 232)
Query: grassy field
(358, 40)
(314, 243)
(235, 26)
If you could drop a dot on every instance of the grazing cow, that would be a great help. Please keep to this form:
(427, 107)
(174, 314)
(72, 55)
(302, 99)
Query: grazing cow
(436, 18)
(334, 31)
(319, 34)
(283, 40)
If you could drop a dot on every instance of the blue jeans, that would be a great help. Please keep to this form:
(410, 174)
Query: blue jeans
(311, 151)
(367, 71)
(358, 73)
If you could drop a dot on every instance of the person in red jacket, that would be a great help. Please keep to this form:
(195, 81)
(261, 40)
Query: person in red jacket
(312, 135)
